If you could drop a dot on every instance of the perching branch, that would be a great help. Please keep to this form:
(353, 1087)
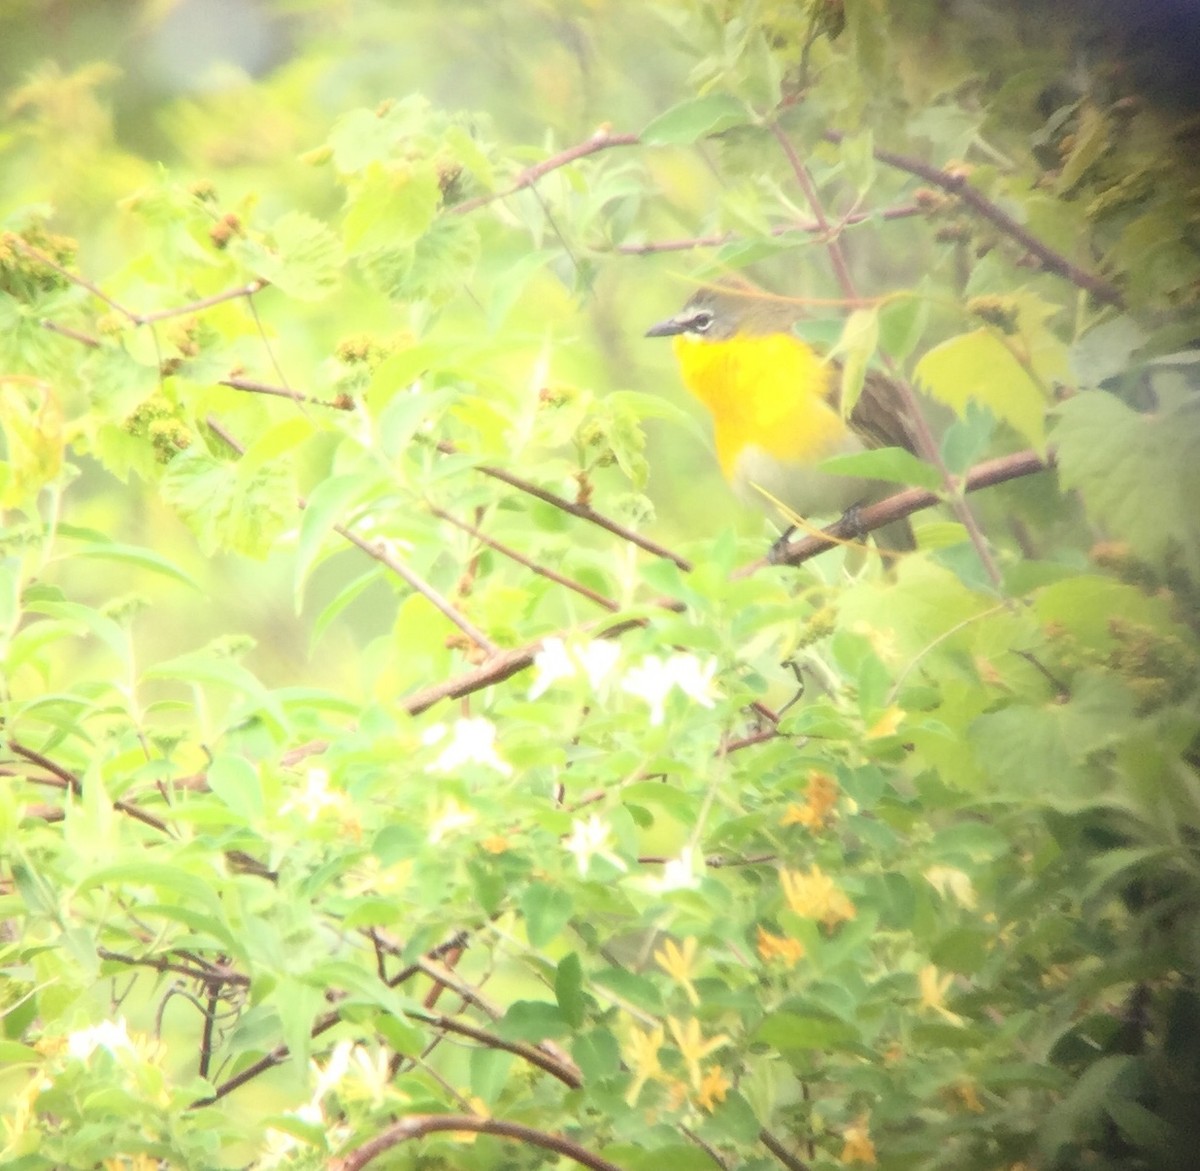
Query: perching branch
(902, 504)
(927, 445)
(419, 1125)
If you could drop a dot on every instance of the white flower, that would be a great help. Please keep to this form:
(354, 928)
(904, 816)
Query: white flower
(590, 839)
(110, 1035)
(452, 817)
(678, 874)
(654, 678)
(473, 741)
(329, 1078)
(651, 681)
(597, 658)
(693, 678)
(551, 663)
(315, 797)
(556, 661)
(948, 881)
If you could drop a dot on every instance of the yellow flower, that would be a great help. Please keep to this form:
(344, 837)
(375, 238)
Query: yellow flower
(814, 896)
(821, 797)
(887, 724)
(677, 963)
(642, 1054)
(858, 1147)
(781, 947)
(968, 1096)
(713, 1088)
(933, 993)
(693, 1048)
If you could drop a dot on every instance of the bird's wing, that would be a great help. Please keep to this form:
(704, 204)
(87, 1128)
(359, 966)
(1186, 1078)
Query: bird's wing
(880, 417)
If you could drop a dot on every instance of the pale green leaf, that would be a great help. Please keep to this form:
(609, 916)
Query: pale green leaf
(978, 367)
(694, 119)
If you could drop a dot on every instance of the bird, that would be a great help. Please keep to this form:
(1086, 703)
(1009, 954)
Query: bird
(775, 406)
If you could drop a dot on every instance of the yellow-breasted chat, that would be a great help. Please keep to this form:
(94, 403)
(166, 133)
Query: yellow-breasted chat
(775, 405)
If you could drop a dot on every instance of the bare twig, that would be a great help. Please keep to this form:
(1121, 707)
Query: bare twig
(62, 778)
(583, 511)
(790, 1161)
(419, 1125)
(925, 440)
(521, 559)
(253, 386)
(599, 141)
(381, 553)
(958, 185)
(811, 228)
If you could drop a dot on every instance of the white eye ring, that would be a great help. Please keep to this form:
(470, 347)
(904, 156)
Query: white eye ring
(701, 322)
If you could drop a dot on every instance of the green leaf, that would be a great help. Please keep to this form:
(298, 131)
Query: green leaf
(694, 119)
(226, 509)
(324, 508)
(893, 464)
(532, 1020)
(546, 910)
(568, 989)
(95, 545)
(856, 347)
(305, 259)
(235, 781)
(979, 367)
(1089, 143)
(1137, 473)
(391, 207)
(787, 1030)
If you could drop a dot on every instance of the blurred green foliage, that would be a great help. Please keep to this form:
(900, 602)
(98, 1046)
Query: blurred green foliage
(394, 728)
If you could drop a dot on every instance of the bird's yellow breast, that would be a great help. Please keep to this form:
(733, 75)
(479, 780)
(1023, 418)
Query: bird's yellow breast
(767, 392)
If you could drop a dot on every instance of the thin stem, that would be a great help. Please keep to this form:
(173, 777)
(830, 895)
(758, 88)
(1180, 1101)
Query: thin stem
(252, 386)
(599, 141)
(812, 228)
(419, 1125)
(583, 511)
(927, 445)
(957, 185)
(522, 560)
(381, 553)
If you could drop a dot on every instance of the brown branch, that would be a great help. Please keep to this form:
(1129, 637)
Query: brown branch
(206, 974)
(75, 335)
(35, 253)
(420, 1125)
(812, 228)
(583, 511)
(902, 504)
(522, 560)
(790, 1161)
(62, 778)
(247, 290)
(958, 185)
(252, 386)
(380, 552)
(601, 140)
(804, 181)
(504, 665)
(926, 444)
(566, 1072)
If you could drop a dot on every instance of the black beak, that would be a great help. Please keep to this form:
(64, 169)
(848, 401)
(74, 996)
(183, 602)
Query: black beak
(668, 328)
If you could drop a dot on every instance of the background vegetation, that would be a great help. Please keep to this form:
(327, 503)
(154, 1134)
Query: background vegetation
(398, 762)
